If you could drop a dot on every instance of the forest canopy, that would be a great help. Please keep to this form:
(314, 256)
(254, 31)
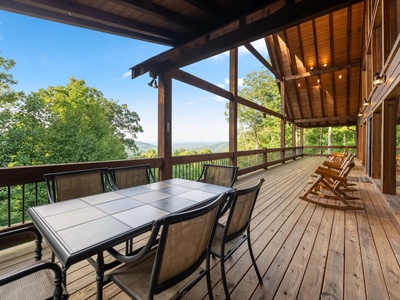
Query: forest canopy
(62, 124)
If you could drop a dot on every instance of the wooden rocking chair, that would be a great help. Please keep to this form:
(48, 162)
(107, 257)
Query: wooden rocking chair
(337, 157)
(335, 183)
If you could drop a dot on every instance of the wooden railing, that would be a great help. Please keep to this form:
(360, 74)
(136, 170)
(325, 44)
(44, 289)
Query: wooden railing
(23, 187)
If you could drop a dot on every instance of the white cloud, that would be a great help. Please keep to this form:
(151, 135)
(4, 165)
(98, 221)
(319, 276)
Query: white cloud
(221, 85)
(240, 82)
(126, 75)
(190, 103)
(219, 98)
(259, 45)
(220, 56)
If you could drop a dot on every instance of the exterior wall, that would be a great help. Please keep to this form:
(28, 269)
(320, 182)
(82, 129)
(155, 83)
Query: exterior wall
(381, 56)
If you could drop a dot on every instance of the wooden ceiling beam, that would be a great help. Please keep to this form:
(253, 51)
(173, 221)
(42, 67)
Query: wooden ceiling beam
(348, 55)
(273, 51)
(322, 71)
(207, 46)
(263, 61)
(261, 108)
(308, 86)
(332, 54)
(200, 83)
(328, 120)
(76, 15)
(293, 70)
(150, 8)
(211, 8)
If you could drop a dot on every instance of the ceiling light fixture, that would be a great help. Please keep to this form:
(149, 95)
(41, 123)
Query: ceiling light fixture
(153, 82)
(366, 102)
(378, 79)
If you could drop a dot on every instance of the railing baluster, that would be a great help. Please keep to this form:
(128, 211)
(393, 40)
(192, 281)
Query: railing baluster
(254, 159)
(23, 203)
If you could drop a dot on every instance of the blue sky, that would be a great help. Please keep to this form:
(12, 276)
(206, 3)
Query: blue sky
(49, 53)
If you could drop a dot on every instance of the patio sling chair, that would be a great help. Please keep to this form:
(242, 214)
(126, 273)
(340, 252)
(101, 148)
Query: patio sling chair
(74, 184)
(220, 175)
(175, 265)
(126, 177)
(231, 235)
(36, 280)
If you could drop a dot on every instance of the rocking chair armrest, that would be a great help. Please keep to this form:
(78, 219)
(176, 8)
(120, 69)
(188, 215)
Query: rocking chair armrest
(325, 173)
(332, 165)
(330, 171)
(337, 154)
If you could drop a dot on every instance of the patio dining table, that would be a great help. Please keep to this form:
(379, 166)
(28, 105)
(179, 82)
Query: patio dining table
(80, 228)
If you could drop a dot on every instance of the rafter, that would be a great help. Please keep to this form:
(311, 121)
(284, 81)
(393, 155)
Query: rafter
(322, 71)
(150, 8)
(62, 11)
(263, 61)
(242, 33)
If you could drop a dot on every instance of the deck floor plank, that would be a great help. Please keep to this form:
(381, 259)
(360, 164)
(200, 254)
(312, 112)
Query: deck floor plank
(303, 251)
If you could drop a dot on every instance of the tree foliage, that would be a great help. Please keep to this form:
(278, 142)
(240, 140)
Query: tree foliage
(257, 131)
(72, 123)
(254, 129)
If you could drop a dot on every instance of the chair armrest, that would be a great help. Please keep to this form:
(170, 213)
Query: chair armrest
(38, 280)
(138, 255)
(332, 165)
(330, 171)
(326, 173)
(20, 231)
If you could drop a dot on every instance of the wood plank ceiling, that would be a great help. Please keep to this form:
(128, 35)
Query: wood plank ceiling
(300, 35)
(320, 65)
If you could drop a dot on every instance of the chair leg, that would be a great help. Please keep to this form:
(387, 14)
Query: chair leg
(223, 277)
(223, 274)
(208, 278)
(252, 256)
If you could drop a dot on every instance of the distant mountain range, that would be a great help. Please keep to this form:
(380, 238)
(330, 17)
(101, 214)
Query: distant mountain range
(214, 147)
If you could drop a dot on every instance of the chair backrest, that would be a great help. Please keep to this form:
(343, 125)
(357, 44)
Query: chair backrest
(240, 211)
(69, 185)
(125, 177)
(184, 244)
(220, 175)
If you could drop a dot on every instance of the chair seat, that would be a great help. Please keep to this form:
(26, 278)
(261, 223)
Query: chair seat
(217, 241)
(39, 285)
(138, 275)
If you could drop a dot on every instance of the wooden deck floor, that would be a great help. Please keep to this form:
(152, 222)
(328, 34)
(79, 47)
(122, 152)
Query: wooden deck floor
(303, 251)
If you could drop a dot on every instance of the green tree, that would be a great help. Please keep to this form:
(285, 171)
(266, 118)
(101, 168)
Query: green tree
(72, 123)
(255, 129)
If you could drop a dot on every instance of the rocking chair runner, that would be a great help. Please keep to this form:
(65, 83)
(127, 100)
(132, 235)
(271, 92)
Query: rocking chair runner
(334, 182)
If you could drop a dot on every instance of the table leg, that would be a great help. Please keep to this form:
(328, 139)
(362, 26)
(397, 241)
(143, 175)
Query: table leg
(100, 275)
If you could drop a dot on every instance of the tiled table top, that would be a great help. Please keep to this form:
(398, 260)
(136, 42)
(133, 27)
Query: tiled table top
(79, 228)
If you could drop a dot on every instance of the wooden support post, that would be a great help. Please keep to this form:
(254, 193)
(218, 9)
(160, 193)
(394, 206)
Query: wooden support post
(302, 140)
(233, 104)
(294, 139)
(376, 159)
(389, 118)
(283, 122)
(165, 124)
(363, 133)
